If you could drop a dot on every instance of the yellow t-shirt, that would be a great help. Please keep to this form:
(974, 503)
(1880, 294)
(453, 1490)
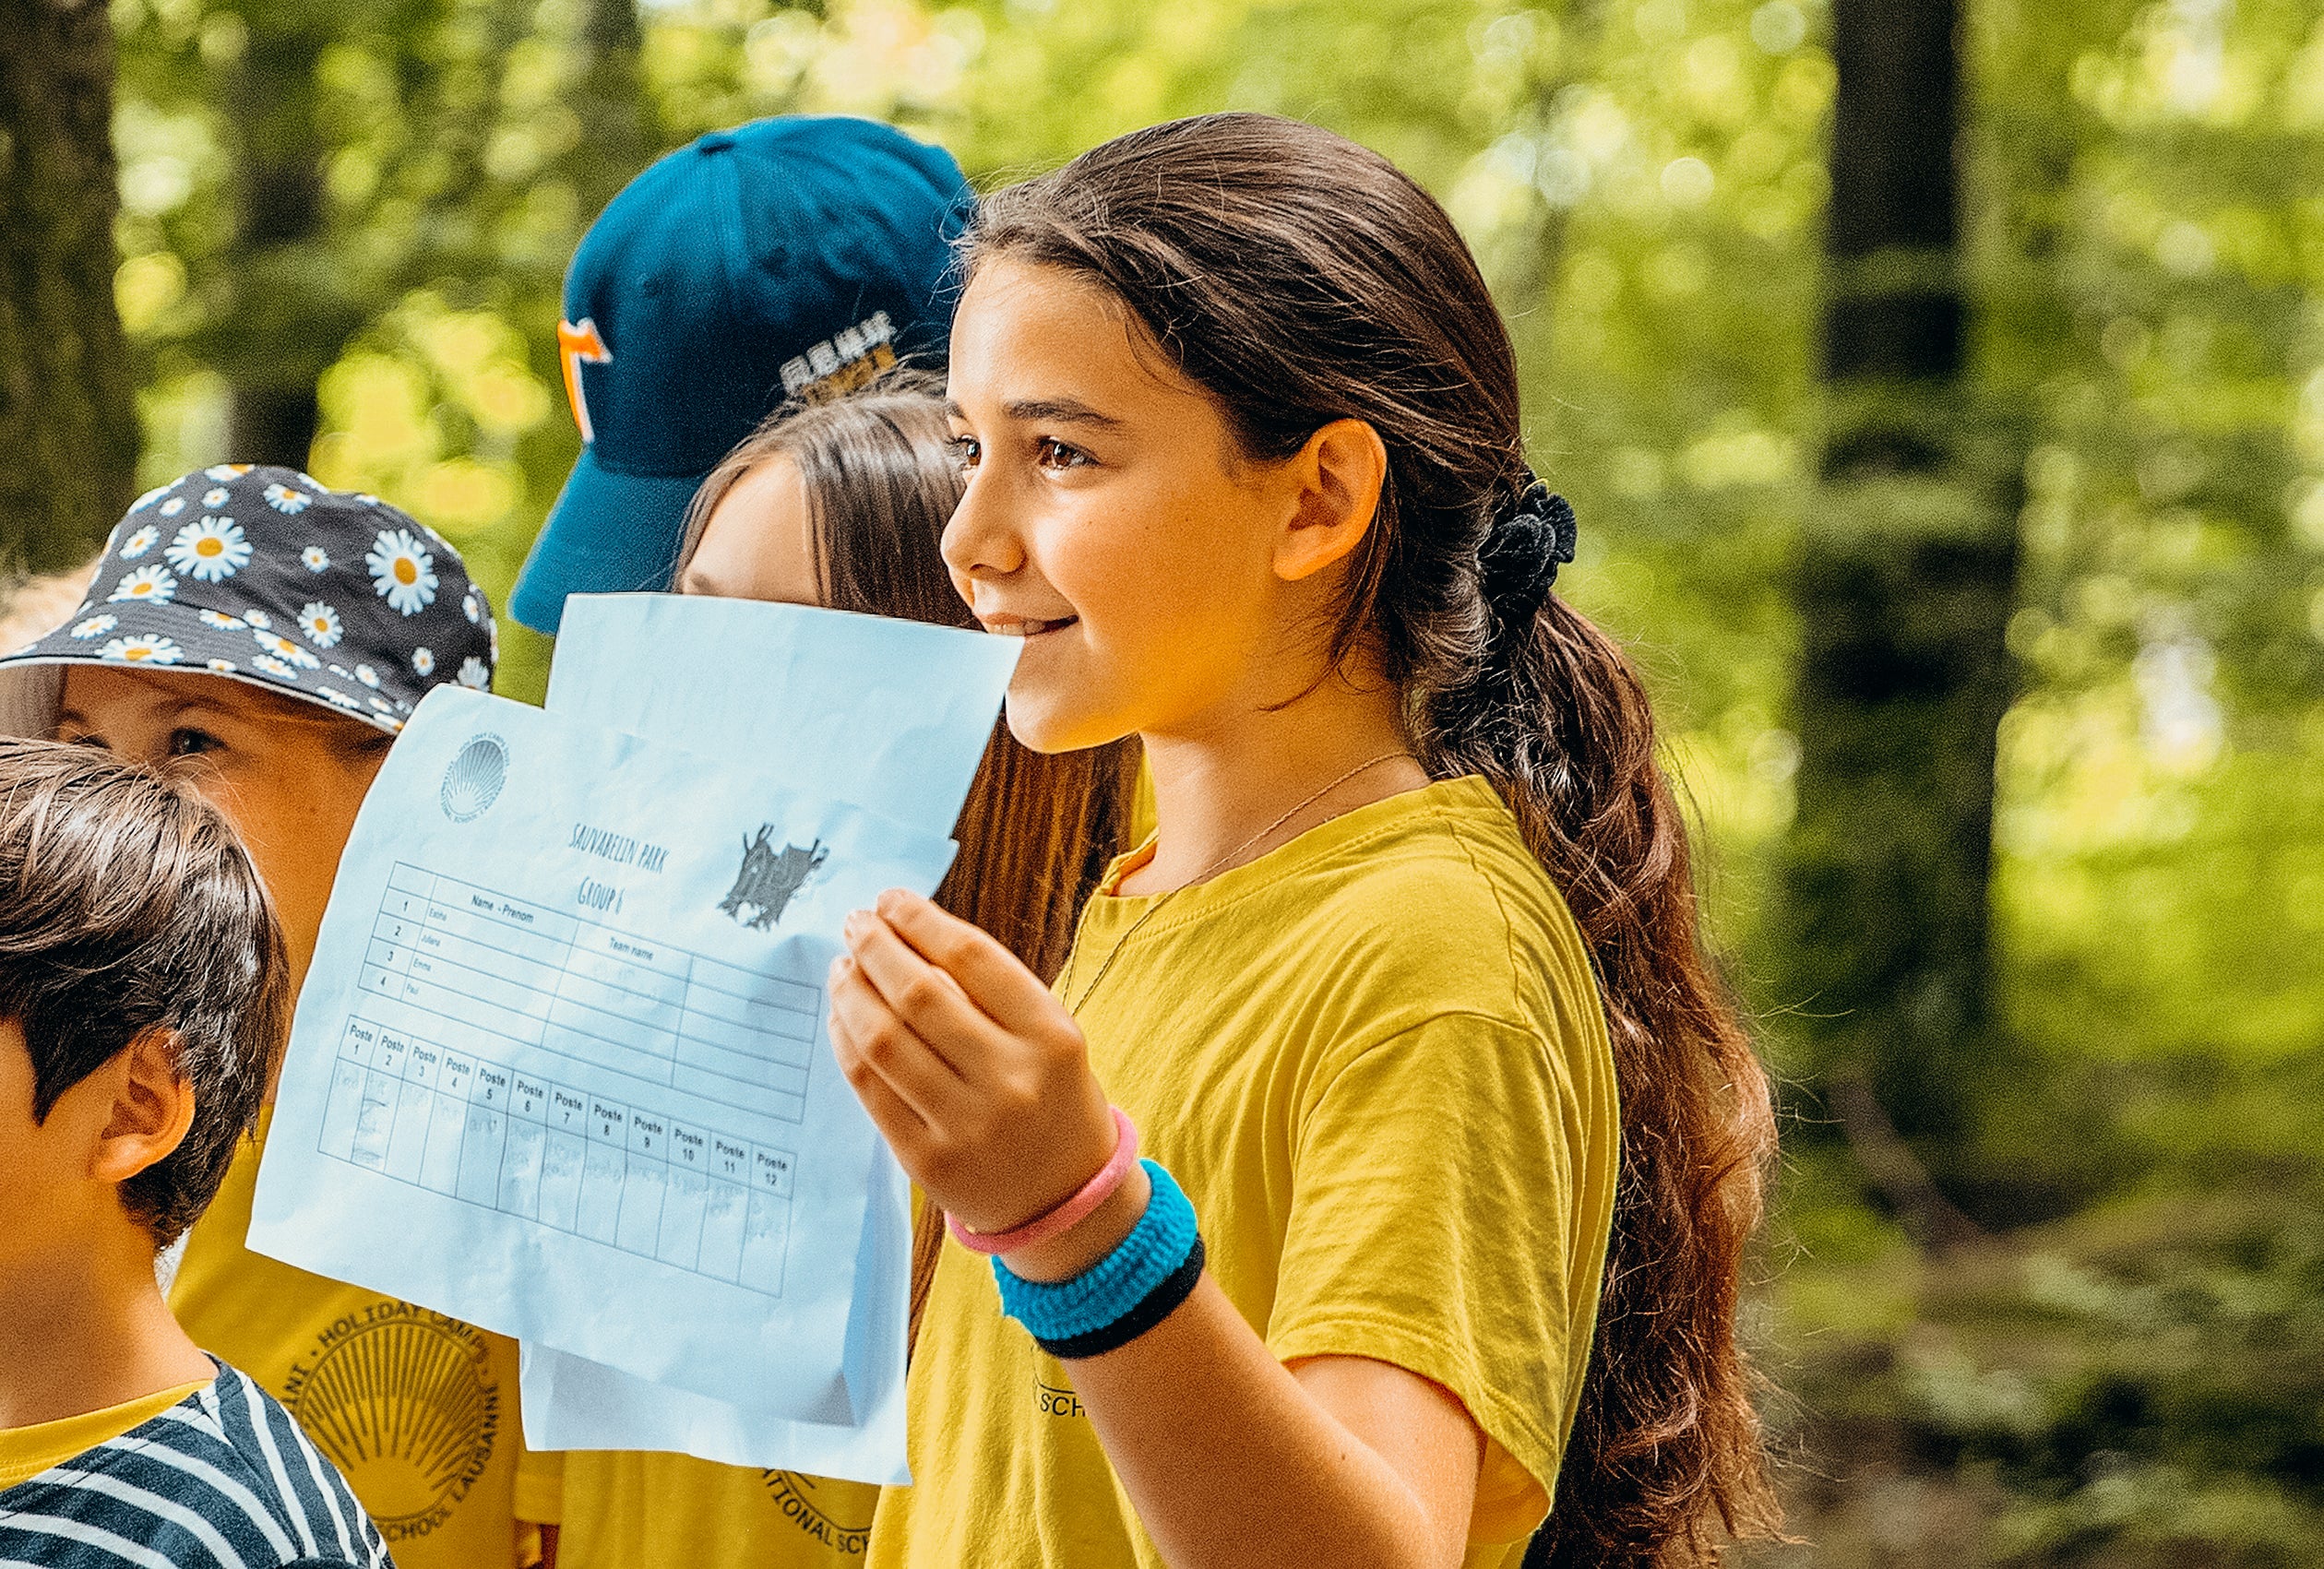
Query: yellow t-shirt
(1376, 1062)
(26, 1452)
(633, 1511)
(417, 1409)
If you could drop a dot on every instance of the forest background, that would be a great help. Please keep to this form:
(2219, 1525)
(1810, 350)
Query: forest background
(1943, 398)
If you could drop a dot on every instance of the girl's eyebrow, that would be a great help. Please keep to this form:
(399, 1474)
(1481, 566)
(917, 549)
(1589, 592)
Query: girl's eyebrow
(177, 709)
(170, 712)
(1054, 411)
(1062, 410)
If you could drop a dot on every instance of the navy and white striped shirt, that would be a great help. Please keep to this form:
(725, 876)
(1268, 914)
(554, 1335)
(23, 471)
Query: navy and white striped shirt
(222, 1480)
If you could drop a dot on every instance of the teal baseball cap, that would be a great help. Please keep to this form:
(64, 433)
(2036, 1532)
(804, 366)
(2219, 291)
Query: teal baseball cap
(790, 259)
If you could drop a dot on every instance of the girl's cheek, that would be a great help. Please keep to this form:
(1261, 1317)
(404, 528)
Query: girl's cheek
(1093, 561)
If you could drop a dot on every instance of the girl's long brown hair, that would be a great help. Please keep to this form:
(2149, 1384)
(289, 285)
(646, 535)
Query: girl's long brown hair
(1037, 830)
(1299, 278)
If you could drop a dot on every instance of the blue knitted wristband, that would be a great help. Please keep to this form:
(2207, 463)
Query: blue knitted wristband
(1122, 1295)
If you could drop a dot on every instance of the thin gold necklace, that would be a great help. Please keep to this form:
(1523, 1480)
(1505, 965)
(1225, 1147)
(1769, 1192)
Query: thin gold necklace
(1209, 872)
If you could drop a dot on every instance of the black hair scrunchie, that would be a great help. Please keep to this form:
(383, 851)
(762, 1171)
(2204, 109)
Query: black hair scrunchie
(1522, 553)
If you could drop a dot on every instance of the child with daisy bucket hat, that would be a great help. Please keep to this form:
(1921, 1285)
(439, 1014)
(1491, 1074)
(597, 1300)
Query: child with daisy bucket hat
(264, 638)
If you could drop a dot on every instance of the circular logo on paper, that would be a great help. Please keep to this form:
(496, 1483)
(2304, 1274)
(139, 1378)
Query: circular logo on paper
(808, 1502)
(404, 1403)
(473, 778)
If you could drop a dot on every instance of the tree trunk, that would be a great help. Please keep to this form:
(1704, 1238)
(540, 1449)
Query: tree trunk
(609, 104)
(68, 426)
(1904, 588)
(290, 318)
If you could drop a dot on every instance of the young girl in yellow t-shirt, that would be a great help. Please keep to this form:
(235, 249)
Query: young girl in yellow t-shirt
(1246, 474)
(841, 504)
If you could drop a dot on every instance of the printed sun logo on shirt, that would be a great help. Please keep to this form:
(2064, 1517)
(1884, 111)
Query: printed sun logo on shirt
(405, 1403)
(795, 1493)
(770, 879)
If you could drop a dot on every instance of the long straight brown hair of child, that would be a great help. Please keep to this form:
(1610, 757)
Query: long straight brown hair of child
(1037, 830)
(1299, 278)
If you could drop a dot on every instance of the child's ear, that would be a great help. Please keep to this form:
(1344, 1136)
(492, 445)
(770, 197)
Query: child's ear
(152, 1107)
(1340, 473)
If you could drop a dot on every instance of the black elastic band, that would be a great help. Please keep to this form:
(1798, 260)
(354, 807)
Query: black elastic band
(1520, 554)
(1156, 1305)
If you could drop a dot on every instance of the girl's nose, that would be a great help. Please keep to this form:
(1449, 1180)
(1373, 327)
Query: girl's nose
(979, 541)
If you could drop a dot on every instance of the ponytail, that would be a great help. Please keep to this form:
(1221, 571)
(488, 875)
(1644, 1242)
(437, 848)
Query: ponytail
(1666, 1434)
(1551, 714)
(1298, 279)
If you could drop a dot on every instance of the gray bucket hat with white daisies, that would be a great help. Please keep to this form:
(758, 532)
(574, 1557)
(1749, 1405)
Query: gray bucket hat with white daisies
(265, 576)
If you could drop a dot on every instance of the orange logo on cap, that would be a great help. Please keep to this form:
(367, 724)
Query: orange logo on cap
(576, 344)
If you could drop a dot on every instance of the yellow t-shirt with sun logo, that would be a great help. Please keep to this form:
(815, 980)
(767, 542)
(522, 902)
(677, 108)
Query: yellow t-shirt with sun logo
(1376, 1061)
(634, 1511)
(416, 1408)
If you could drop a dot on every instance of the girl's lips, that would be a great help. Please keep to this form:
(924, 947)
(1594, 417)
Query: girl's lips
(1025, 626)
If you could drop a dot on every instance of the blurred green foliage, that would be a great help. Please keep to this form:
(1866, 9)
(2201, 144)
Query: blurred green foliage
(2138, 1381)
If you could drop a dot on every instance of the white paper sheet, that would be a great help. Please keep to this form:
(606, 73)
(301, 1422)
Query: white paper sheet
(894, 715)
(890, 715)
(560, 1067)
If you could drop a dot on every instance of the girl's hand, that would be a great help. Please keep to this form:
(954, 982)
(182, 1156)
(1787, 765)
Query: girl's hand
(978, 1076)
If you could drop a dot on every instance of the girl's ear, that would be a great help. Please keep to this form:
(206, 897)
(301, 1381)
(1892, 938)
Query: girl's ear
(1339, 474)
(152, 1107)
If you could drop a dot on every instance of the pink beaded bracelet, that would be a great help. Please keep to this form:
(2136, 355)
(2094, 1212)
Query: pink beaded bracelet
(1069, 1213)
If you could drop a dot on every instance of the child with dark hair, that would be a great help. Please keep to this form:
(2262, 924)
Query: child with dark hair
(263, 637)
(144, 995)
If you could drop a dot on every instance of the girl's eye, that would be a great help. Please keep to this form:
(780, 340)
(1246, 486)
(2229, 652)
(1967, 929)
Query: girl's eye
(966, 452)
(188, 742)
(1054, 453)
